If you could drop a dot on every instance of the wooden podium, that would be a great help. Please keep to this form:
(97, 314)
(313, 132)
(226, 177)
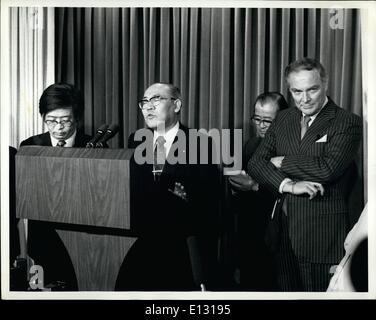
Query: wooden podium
(87, 188)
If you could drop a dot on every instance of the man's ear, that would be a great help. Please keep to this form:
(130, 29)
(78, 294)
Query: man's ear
(177, 104)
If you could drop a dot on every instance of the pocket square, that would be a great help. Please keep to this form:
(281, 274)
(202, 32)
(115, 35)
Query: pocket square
(323, 139)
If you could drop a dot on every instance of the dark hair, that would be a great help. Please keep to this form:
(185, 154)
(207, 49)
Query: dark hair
(272, 97)
(306, 64)
(61, 95)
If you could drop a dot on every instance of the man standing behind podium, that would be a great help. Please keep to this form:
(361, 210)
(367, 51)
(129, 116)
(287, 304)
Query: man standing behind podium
(254, 204)
(62, 110)
(307, 148)
(173, 206)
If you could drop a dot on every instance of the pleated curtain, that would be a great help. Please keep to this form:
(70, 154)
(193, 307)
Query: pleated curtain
(220, 58)
(32, 69)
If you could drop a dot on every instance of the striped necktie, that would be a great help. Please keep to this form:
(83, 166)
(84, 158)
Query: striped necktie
(159, 156)
(304, 124)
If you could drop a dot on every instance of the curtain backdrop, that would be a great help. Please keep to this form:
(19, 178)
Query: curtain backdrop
(221, 58)
(32, 69)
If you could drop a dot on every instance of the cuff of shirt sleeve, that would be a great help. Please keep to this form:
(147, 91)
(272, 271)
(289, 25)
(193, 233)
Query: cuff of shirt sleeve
(286, 180)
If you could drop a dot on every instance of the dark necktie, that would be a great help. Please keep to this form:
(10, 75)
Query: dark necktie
(159, 156)
(61, 143)
(304, 125)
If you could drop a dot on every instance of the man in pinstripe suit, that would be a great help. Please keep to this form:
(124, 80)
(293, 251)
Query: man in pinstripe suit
(305, 158)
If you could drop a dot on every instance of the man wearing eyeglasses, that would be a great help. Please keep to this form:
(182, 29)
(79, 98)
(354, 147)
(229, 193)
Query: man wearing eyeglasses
(61, 108)
(252, 204)
(174, 204)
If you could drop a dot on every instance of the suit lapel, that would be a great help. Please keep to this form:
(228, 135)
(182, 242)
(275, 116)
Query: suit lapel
(79, 141)
(318, 127)
(46, 140)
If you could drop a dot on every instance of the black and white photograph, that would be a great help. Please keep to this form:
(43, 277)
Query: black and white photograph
(187, 150)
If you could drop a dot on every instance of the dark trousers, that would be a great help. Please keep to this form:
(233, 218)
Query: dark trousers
(157, 264)
(256, 264)
(47, 250)
(294, 274)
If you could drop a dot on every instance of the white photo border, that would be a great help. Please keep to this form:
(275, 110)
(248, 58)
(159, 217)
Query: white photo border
(368, 28)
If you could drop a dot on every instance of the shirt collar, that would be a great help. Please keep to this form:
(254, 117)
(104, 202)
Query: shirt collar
(169, 136)
(69, 143)
(313, 117)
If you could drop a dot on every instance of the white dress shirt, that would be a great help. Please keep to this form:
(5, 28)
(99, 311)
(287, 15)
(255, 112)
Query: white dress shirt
(169, 137)
(313, 117)
(69, 143)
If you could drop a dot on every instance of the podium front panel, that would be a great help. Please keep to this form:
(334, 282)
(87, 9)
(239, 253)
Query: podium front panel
(74, 185)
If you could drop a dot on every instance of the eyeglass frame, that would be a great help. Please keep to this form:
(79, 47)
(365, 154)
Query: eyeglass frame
(154, 104)
(54, 123)
(258, 121)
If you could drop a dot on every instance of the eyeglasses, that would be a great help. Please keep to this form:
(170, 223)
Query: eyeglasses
(64, 123)
(154, 101)
(264, 122)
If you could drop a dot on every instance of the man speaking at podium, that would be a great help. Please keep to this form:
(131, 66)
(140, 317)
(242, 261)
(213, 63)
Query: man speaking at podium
(62, 110)
(173, 206)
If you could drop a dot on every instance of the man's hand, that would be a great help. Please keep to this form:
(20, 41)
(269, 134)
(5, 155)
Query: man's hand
(179, 191)
(277, 161)
(304, 187)
(243, 182)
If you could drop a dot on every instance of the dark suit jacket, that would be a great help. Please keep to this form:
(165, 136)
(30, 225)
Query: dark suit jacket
(166, 224)
(13, 220)
(254, 209)
(260, 202)
(44, 139)
(317, 227)
(175, 216)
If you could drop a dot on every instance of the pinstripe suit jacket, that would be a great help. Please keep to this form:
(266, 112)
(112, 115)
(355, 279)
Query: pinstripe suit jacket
(317, 227)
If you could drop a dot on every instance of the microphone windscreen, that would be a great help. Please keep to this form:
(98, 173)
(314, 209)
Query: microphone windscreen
(102, 128)
(114, 128)
(98, 134)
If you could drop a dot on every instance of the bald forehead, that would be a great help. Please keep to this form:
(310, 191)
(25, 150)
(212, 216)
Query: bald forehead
(157, 88)
(268, 108)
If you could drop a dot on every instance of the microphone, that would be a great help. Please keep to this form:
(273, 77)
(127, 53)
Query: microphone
(100, 132)
(110, 132)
